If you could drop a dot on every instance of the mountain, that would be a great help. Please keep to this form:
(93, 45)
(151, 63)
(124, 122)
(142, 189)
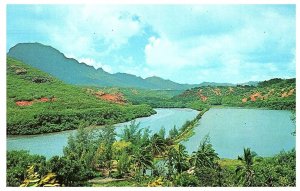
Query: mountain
(39, 103)
(215, 84)
(69, 70)
(161, 83)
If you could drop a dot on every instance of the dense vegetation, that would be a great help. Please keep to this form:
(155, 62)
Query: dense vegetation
(273, 94)
(141, 158)
(39, 103)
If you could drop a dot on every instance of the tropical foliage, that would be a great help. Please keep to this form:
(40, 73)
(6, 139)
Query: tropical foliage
(39, 103)
(140, 158)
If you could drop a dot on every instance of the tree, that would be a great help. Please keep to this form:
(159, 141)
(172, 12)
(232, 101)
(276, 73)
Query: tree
(123, 165)
(173, 132)
(131, 133)
(205, 155)
(70, 172)
(142, 160)
(104, 151)
(162, 133)
(245, 173)
(157, 145)
(17, 164)
(180, 159)
(206, 166)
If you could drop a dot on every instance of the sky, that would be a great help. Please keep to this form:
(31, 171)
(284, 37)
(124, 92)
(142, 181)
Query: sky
(183, 43)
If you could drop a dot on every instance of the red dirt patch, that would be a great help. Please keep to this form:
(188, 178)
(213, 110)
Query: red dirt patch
(28, 103)
(115, 98)
(253, 97)
(202, 97)
(43, 99)
(24, 103)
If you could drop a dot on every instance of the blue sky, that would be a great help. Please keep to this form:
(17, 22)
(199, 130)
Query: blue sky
(183, 43)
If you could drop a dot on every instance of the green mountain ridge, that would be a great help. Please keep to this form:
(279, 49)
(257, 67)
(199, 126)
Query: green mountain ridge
(69, 70)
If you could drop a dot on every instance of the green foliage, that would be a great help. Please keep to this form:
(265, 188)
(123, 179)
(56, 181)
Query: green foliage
(123, 165)
(277, 171)
(186, 180)
(245, 172)
(173, 132)
(273, 94)
(66, 107)
(17, 164)
(177, 160)
(157, 145)
(133, 159)
(205, 161)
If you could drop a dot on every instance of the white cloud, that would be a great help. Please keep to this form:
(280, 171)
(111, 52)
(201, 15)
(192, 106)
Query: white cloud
(229, 54)
(83, 28)
(96, 65)
(211, 42)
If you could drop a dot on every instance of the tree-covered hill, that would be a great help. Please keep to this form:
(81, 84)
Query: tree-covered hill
(39, 103)
(274, 94)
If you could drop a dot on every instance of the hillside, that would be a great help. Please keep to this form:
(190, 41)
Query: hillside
(274, 94)
(52, 61)
(39, 103)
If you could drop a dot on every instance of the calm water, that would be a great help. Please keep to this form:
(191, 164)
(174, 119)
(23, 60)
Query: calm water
(52, 144)
(266, 132)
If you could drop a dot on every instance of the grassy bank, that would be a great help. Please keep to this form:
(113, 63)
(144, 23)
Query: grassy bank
(187, 130)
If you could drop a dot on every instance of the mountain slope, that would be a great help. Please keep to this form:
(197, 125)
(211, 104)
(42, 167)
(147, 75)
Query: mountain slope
(39, 103)
(50, 60)
(162, 84)
(274, 94)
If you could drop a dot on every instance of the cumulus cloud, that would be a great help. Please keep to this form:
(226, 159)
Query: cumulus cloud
(260, 43)
(185, 43)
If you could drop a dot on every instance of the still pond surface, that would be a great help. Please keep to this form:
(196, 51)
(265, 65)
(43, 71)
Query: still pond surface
(267, 132)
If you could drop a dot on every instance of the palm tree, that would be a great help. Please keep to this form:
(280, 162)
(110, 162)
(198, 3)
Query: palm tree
(132, 132)
(245, 172)
(142, 160)
(181, 159)
(157, 145)
(205, 156)
(205, 162)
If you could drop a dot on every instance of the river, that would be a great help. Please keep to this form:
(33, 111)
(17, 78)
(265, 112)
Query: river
(266, 132)
(52, 144)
